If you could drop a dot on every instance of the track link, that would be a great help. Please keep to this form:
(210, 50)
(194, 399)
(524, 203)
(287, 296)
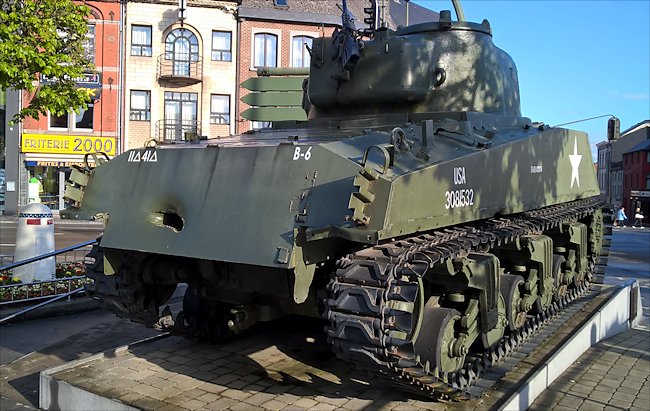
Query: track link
(124, 293)
(373, 295)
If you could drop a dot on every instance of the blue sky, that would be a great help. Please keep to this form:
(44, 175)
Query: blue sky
(576, 59)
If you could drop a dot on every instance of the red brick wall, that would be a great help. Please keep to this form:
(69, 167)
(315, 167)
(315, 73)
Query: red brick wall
(248, 28)
(635, 170)
(107, 58)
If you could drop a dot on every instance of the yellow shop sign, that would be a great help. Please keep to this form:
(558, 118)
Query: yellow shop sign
(56, 144)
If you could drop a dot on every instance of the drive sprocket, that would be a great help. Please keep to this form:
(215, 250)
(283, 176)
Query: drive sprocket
(125, 293)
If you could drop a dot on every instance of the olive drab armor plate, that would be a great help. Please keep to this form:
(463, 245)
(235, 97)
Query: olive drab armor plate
(416, 210)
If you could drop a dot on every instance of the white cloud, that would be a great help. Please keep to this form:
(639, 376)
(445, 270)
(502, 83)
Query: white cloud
(636, 96)
(629, 96)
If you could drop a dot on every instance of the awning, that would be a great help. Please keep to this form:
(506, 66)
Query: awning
(55, 160)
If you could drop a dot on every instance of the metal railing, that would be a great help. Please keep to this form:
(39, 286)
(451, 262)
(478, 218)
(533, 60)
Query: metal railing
(48, 289)
(178, 130)
(38, 290)
(44, 303)
(72, 248)
(180, 68)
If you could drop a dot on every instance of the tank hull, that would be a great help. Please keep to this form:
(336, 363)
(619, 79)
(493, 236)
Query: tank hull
(245, 200)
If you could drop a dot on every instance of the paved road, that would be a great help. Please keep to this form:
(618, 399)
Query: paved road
(66, 233)
(630, 259)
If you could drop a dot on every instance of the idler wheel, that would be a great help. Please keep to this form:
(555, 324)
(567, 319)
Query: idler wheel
(436, 342)
(511, 291)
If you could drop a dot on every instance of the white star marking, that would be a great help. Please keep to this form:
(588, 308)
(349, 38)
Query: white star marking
(575, 159)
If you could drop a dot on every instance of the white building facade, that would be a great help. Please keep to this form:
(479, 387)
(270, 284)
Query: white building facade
(604, 154)
(180, 70)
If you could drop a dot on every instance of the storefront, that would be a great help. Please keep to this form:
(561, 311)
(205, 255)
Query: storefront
(41, 151)
(49, 158)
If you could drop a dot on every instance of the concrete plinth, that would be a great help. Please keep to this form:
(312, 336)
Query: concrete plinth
(290, 365)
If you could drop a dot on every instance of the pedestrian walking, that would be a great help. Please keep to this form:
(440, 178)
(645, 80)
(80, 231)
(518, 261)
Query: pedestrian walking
(638, 218)
(621, 218)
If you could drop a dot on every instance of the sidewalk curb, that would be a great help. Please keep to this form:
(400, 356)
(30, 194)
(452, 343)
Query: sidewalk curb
(612, 318)
(55, 394)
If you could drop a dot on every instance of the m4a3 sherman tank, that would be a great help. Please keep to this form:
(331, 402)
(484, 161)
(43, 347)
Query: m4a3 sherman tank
(417, 211)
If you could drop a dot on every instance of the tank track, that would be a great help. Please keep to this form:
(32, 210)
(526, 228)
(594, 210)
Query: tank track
(390, 273)
(124, 293)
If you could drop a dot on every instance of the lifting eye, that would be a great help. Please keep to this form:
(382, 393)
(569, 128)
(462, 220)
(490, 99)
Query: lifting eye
(440, 75)
(168, 219)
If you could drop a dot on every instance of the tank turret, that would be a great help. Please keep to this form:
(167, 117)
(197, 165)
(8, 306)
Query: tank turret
(430, 67)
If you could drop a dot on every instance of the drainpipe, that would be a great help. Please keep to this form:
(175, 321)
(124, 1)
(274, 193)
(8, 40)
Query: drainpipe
(13, 157)
(234, 120)
(121, 109)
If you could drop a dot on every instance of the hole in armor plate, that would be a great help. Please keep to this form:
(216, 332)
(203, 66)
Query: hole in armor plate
(173, 221)
(168, 219)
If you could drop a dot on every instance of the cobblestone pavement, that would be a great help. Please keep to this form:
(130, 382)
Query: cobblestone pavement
(284, 365)
(613, 375)
(290, 367)
(19, 379)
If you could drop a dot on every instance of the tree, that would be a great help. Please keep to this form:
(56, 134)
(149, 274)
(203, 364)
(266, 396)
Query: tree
(42, 52)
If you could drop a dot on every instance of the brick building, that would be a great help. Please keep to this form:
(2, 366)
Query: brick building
(275, 35)
(51, 144)
(611, 169)
(636, 179)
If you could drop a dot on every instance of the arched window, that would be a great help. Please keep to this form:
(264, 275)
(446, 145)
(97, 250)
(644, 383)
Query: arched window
(181, 46)
(266, 50)
(299, 55)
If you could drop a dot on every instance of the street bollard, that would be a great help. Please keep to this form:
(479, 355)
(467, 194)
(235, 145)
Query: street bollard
(34, 237)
